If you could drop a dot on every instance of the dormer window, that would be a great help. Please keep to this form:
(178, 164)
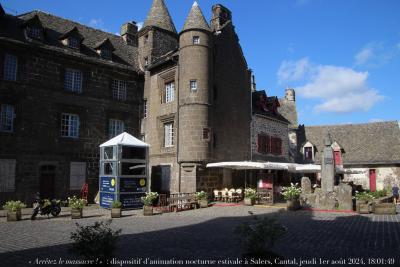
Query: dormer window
(105, 49)
(308, 153)
(106, 53)
(34, 32)
(73, 43)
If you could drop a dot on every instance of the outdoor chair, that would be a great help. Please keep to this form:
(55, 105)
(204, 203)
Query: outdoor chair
(217, 195)
(239, 193)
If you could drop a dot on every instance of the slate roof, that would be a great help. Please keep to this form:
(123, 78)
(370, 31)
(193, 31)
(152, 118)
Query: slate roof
(159, 16)
(288, 110)
(369, 143)
(55, 27)
(195, 19)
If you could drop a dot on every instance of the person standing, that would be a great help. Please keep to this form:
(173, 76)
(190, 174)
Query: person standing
(395, 193)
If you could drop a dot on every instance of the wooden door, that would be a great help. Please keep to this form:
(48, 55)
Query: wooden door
(47, 177)
(372, 180)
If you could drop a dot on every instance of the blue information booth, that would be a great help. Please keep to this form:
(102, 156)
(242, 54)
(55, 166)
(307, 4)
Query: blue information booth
(123, 171)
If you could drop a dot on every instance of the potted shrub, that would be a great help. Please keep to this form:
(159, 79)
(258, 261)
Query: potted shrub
(116, 210)
(147, 201)
(14, 210)
(250, 196)
(364, 202)
(76, 205)
(202, 199)
(292, 196)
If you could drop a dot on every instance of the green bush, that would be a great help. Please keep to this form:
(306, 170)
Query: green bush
(14, 206)
(95, 242)
(201, 195)
(250, 193)
(364, 196)
(149, 198)
(76, 203)
(116, 204)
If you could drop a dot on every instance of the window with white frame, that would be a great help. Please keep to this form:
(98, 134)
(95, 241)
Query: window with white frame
(7, 175)
(73, 80)
(169, 92)
(169, 134)
(34, 32)
(73, 42)
(77, 175)
(115, 127)
(193, 85)
(10, 67)
(119, 90)
(196, 40)
(69, 125)
(6, 118)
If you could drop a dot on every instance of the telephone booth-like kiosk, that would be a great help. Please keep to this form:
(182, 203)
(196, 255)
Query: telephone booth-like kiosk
(123, 171)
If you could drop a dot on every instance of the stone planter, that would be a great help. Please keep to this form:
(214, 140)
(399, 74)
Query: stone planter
(147, 210)
(293, 204)
(13, 216)
(249, 201)
(384, 208)
(363, 207)
(76, 213)
(116, 213)
(203, 203)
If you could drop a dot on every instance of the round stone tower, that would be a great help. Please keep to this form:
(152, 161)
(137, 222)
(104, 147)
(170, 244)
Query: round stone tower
(195, 83)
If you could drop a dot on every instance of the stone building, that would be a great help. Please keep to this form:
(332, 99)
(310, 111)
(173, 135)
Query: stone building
(198, 98)
(64, 89)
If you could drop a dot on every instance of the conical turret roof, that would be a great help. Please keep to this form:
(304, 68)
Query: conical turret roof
(159, 16)
(195, 19)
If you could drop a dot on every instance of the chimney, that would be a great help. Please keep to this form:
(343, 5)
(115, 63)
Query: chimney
(253, 83)
(290, 94)
(129, 32)
(220, 16)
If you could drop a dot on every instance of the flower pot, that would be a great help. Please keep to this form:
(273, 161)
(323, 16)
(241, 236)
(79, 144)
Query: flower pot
(147, 210)
(76, 213)
(203, 203)
(249, 201)
(293, 204)
(13, 216)
(116, 213)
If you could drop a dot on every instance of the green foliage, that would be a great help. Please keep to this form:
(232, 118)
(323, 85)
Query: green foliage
(369, 196)
(201, 195)
(116, 204)
(14, 206)
(250, 193)
(95, 242)
(259, 237)
(291, 192)
(379, 193)
(149, 198)
(76, 203)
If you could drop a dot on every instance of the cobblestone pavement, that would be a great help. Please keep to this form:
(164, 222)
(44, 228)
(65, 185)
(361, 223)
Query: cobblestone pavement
(207, 234)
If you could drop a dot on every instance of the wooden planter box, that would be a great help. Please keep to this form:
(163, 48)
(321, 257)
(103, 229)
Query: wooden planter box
(203, 203)
(76, 213)
(249, 201)
(116, 213)
(293, 204)
(147, 210)
(363, 207)
(13, 216)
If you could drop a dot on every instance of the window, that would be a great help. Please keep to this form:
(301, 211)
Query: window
(146, 61)
(146, 38)
(7, 175)
(77, 175)
(73, 43)
(169, 92)
(119, 90)
(196, 40)
(338, 157)
(169, 134)
(263, 144)
(6, 118)
(276, 146)
(115, 128)
(193, 85)
(10, 67)
(106, 53)
(207, 134)
(308, 153)
(73, 80)
(34, 32)
(69, 125)
(145, 108)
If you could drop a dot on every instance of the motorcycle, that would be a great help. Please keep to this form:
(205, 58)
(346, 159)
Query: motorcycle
(46, 207)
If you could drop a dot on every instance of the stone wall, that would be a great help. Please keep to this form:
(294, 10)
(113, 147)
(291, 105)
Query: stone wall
(386, 177)
(273, 128)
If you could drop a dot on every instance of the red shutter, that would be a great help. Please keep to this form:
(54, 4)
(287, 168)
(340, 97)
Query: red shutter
(279, 146)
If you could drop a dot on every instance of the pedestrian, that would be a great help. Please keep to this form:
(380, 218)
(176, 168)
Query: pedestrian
(395, 193)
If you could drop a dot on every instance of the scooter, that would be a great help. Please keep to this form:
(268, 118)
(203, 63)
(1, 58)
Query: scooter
(46, 207)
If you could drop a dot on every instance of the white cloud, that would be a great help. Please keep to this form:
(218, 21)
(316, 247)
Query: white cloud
(293, 70)
(376, 54)
(376, 120)
(363, 56)
(339, 89)
(139, 25)
(96, 23)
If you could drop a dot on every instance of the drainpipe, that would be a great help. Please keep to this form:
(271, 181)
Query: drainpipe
(177, 132)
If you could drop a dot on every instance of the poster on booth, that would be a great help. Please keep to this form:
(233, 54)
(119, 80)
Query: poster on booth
(131, 201)
(133, 185)
(107, 184)
(106, 199)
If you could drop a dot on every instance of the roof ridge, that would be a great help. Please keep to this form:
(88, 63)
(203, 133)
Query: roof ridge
(349, 124)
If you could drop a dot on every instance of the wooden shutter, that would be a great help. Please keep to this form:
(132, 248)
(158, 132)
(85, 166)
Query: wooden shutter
(267, 144)
(7, 175)
(77, 175)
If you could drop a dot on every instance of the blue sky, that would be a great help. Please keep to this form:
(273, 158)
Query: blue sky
(342, 56)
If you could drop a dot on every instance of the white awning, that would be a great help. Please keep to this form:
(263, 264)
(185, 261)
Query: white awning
(124, 139)
(305, 168)
(249, 165)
